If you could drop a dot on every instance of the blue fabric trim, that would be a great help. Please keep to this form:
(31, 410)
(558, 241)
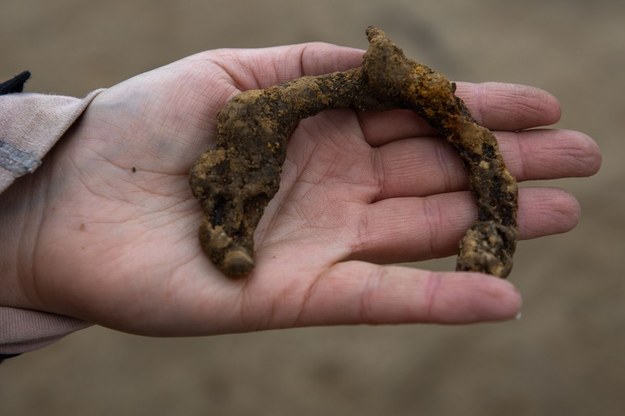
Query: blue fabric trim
(17, 161)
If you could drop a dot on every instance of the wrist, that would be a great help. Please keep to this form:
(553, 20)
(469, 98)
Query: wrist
(20, 217)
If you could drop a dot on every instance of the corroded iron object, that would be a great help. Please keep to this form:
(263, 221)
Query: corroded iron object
(235, 181)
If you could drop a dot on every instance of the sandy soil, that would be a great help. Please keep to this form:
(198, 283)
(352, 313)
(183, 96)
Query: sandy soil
(565, 356)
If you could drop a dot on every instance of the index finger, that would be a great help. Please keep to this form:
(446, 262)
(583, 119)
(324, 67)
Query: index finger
(495, 105)
(511, 107)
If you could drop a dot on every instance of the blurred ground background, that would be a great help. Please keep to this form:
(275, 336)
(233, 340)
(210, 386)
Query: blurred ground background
(565, 356)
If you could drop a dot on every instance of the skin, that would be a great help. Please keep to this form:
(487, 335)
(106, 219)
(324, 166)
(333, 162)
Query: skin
(235, 180)
(87, 237)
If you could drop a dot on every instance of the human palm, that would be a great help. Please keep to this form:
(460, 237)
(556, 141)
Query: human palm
(114, 229)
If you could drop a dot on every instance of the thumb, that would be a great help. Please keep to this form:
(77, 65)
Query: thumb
(261, 68)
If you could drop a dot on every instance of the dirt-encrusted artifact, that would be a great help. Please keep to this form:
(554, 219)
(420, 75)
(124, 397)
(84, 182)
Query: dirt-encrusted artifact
(235, 181)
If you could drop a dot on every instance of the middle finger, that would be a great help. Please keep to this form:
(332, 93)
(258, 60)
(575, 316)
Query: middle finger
(429, 165)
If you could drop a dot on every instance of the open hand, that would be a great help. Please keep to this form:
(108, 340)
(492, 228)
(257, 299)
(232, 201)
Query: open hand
(108, 226)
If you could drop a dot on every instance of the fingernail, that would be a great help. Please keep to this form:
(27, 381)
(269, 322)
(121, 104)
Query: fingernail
(518, 315)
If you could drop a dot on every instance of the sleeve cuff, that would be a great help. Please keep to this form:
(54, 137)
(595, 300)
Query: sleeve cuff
(25, 330)
(30, 124)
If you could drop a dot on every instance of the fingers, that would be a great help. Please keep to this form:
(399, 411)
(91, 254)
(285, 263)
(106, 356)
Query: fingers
(264, 67)
(355, 292)
(497, 106)
(412, 229)
(427, 166)
(501, 106)
(549, 154)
